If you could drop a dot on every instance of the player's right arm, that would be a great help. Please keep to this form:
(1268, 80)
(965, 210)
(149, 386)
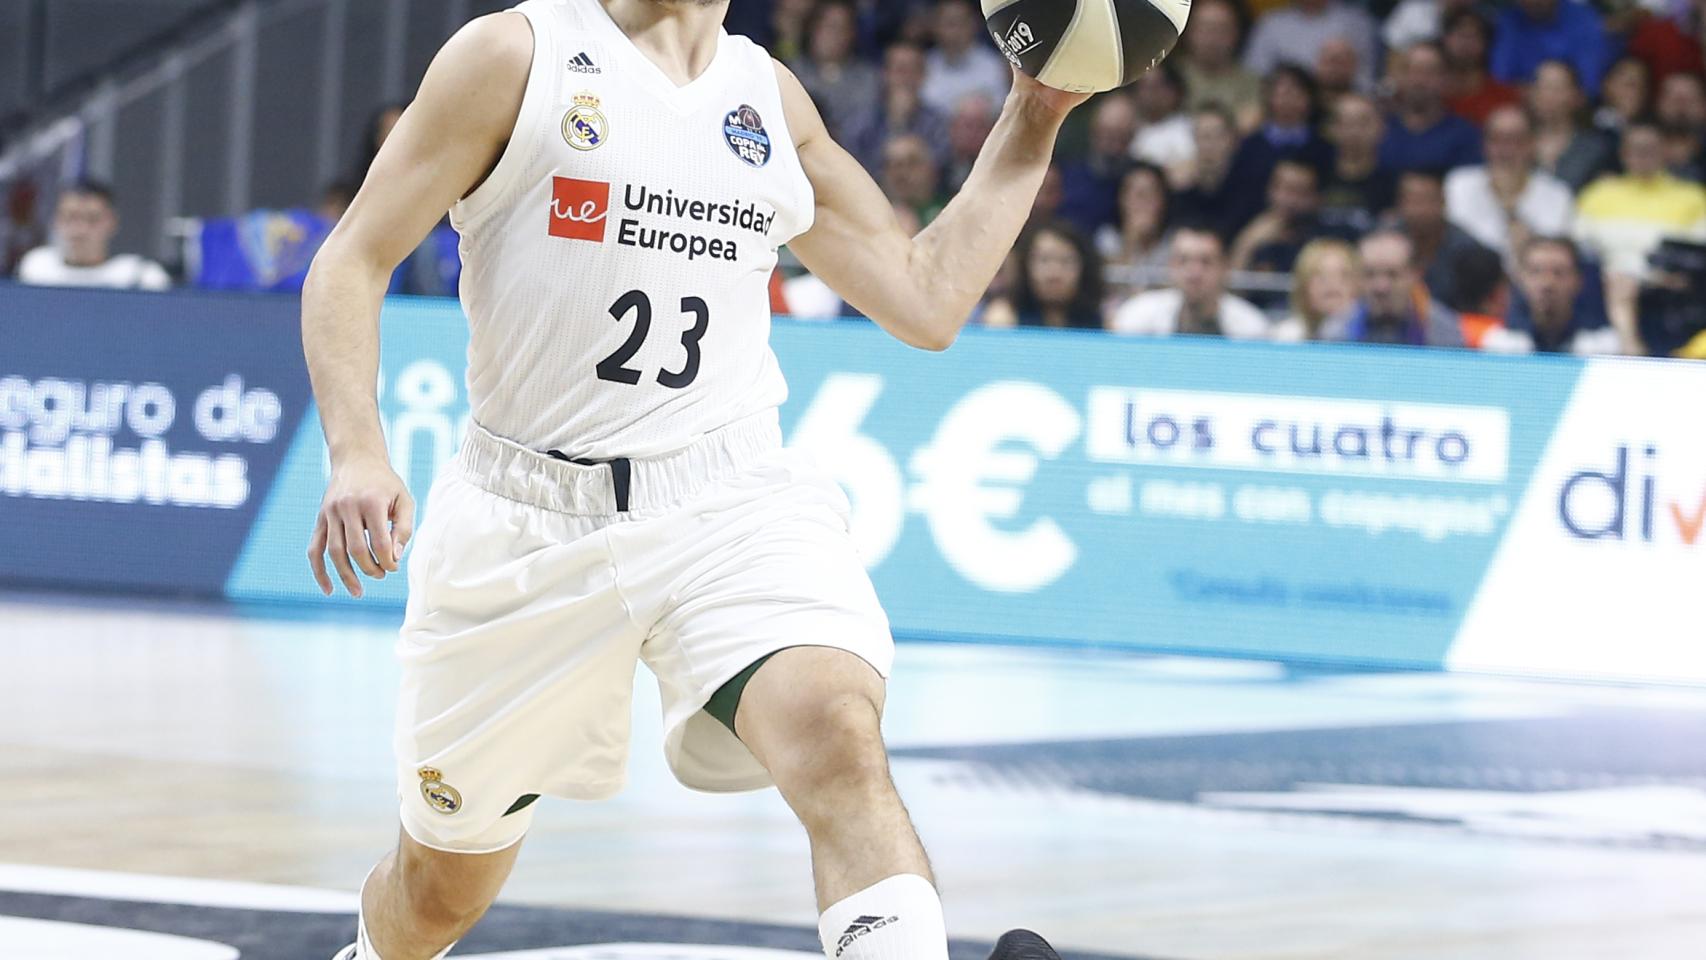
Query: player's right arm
(444, 146)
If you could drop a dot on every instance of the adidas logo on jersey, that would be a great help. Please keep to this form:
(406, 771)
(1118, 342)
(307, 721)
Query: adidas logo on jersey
(583, 64)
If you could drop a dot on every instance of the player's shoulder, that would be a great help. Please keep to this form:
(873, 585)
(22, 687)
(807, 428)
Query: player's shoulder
(504, 38)
(477, 80)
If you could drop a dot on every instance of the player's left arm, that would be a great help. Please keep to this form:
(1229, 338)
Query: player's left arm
(923, 289)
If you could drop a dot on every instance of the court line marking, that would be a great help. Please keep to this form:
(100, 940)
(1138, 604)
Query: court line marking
(53, 940)
(142, 888)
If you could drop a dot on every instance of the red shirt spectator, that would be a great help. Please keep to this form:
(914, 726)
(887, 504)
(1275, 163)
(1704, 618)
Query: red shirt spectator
(1668, 45)
(1471, 92)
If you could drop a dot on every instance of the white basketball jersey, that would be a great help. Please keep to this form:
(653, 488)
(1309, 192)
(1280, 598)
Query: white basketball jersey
(616, 263)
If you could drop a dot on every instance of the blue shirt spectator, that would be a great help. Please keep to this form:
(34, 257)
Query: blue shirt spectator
(1395, 308)
(1422, 134)
(1090, 188)
(1288, 133)
(1562, 305)
(1532, 31)
(1447, 144)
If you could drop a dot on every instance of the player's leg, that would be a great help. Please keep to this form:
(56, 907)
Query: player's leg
(419, 901)
(812, 716)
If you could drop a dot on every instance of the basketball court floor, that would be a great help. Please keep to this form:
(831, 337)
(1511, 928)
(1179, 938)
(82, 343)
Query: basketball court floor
(196, 783)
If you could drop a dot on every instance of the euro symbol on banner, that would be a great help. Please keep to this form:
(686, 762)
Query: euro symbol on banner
(969, 475)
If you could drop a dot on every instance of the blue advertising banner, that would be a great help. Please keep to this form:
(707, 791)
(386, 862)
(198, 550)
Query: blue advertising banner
(140, 433)
(1306, 502)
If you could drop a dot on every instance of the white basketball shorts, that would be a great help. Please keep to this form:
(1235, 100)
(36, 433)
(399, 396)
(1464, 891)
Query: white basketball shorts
(532, 598)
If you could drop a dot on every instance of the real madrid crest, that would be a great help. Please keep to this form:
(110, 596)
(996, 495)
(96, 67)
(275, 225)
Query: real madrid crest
(439, 795)
(584, 127)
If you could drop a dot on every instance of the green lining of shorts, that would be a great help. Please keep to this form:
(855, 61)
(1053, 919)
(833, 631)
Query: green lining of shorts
(726, 700)
(522, 804)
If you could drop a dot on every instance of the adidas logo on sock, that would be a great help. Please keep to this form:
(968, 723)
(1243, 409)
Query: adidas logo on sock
(859, 927)
(583, 64)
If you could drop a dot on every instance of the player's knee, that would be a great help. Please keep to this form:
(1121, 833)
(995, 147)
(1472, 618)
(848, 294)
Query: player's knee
(834, 758)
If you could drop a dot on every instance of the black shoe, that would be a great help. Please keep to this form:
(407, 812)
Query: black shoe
(1022, 945)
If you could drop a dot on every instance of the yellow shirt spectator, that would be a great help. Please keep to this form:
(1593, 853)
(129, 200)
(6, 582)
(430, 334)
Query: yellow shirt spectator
(1621, 219)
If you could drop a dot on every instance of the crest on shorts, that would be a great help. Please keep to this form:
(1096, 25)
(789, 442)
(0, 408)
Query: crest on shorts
(584, 127)
(743, 131)
(439, 795)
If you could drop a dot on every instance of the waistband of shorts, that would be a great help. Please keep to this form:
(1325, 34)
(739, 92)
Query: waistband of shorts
(508, 469)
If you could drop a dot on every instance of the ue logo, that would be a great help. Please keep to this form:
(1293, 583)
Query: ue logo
(579, 208)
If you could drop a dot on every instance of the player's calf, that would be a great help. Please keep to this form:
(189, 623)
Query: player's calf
(419, 901)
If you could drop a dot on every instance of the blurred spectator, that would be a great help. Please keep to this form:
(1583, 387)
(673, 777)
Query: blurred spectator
(968, 129)
(911, 177)
(1422, 134)
(1481, 298)
(1197, 302)
(84, 225)
(1550, 275)
(841, 84)
(1358, 188)
(1206, 199)
(1681, 112)
(1624, 95)
(19, 231)
(1337, 70)
(1418, 21)
(1507, 200)
(1138, 243)
(1209, 63)
(1564, 146)
(1323, 285)
(1059, 283)
(1530, 32)
(789, 26)
(1471, 92)
(1395, 307)
(1622, 218)
(1164, 135)
(1295, 34)
(1667, 39)
(1273, 240)
(898, 110)
(1287, 133)
(964, 61)
(1435, 240)
(1091, 186)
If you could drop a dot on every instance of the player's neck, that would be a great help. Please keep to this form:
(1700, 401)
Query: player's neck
(680, 36)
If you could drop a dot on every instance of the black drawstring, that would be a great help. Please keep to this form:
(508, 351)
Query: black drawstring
(621, 474)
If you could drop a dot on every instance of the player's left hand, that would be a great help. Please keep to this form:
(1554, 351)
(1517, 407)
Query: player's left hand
(1056, 101)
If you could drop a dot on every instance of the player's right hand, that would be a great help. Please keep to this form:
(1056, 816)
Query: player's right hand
(365, 522)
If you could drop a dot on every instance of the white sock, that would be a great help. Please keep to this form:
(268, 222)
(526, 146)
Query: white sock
(897, 919)
(364, 947)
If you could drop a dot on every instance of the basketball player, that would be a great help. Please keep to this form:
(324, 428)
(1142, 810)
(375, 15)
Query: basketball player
(622, 173)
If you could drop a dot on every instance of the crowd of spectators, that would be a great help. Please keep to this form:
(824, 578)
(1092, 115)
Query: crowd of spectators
(1434, 172)
(1428, 172)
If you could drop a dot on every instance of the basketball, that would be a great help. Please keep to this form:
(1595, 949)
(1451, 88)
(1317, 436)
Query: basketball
(1086, 46)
